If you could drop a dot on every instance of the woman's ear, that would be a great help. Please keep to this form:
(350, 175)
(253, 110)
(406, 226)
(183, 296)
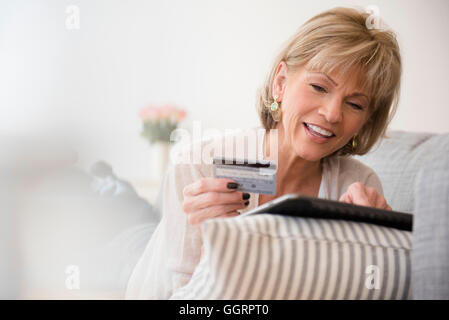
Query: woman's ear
(279, 80)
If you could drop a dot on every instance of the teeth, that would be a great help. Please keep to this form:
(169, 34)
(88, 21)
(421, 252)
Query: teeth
(319, 130)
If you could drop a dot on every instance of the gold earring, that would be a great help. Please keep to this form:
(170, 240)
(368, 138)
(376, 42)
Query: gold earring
(275, 110)
(354, 143)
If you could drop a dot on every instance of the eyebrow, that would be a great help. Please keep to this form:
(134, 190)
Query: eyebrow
(355, 94)
(332, 80)
(359, 94)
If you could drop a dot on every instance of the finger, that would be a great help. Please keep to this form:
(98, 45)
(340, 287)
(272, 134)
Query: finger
(209, 185)
(358, 194)
(376, 199)
(344, 198)
(373, 196)
(212, 212)
(381, 203)
(388, 208)
(208, 199)
(229, 214)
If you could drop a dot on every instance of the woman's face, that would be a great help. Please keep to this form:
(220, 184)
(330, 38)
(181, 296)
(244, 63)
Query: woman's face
(320, 113)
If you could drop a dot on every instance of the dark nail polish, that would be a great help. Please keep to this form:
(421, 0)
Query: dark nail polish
(246, 196)
(232, 185)
(246, 203)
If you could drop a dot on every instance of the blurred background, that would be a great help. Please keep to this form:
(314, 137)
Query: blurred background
(75, 75)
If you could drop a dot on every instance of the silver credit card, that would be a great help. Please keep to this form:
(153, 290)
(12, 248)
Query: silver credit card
(252, 176)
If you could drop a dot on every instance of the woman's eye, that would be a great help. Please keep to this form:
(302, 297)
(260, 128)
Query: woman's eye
(318, 88)
(355, 106)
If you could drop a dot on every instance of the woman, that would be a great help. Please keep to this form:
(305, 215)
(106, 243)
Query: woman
(331, 93)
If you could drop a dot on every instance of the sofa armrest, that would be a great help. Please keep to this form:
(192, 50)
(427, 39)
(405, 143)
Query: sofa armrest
(430, 254)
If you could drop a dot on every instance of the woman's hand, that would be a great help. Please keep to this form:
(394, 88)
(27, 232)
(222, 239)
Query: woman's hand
(359, 194)
(212, 198)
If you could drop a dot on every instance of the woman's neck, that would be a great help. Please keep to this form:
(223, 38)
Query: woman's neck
(293, 172)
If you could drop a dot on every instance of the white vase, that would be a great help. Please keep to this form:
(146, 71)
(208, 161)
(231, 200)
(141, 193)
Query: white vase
(163, 152)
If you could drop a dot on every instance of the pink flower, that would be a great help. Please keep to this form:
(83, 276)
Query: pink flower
(166, 112)
(181, 114)
(149, 113)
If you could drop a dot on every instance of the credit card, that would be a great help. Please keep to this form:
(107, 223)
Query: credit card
(252, 176)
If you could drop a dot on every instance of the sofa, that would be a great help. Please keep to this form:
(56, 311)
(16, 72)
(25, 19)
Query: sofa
(272, 257)
(413, 168)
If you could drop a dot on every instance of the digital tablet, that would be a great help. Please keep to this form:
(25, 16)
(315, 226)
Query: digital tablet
(302, 206)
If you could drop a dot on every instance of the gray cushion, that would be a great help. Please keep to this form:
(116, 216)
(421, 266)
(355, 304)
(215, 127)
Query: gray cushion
(398, 159)
(279, 257)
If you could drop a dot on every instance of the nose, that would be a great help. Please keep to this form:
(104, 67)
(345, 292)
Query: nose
(331, 111)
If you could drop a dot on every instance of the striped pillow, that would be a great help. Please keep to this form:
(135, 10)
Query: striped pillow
(279, 257)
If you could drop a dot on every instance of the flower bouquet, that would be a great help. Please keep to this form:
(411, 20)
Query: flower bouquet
(159, 122)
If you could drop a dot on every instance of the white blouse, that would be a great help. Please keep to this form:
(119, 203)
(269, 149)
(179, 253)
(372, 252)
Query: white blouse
(174, 249)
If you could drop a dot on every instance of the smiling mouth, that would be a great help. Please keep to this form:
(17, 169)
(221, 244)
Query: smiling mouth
(318, 132)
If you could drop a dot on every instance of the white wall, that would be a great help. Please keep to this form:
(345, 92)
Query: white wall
(207, 56)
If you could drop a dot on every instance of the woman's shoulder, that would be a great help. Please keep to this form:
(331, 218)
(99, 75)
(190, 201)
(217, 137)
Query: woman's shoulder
(349, 164)
(345, 170)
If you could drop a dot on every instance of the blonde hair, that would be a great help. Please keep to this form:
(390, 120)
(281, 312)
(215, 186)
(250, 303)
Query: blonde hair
(338, 39)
